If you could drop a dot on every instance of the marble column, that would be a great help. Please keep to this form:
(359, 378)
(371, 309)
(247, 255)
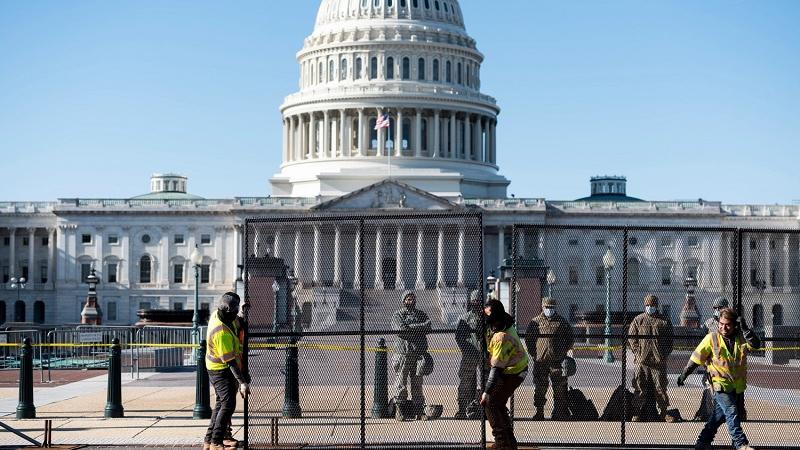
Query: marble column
(296, 259)
(420, 283)
(344, 148)
(436, 134)
(276, 250)
(440, 258)
(315, 264)
(325, 151)
(399, 269)
(452, 138)
(32, 257)
(381, 140)
(418, 135)
(337, 265)
(361, 138)
(785, 272)
(357, 262)
(460, 282)
(501, 245)
(379, 258)
(51, 255)
(398, 133)
(467, 138)
(12, 252)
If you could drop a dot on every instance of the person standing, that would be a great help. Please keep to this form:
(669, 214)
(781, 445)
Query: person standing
(508, 366)
(651, 344)
(468, 335)
(224, 365)
(549, 337)
(712, 323)
(724, 353)
(413, 326)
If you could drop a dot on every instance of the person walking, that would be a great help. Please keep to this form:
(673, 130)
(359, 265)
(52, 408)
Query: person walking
(224, 365)
(508, 366)
(410, 353)
(468, 335)
(724, 353)
(549, 337)
(651, 344)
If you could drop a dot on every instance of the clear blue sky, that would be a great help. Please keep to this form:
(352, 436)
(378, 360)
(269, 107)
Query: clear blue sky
(686, 98)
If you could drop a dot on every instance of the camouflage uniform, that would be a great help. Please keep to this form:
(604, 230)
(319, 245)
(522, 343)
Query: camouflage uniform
(468, 335)
(651, 356)
(412, 326)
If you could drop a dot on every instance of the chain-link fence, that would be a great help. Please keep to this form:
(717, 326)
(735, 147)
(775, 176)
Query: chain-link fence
(328, 333)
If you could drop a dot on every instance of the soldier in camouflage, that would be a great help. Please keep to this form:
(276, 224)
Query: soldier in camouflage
(468, 336)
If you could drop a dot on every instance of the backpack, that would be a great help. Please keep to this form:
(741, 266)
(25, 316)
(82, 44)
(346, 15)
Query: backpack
(580, 407)
(621, 398)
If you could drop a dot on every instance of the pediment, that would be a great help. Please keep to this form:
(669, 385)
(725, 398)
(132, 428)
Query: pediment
(391, 195)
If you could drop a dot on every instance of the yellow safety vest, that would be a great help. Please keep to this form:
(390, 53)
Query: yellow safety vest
(727, 367)
(222, 344)
(506, 351)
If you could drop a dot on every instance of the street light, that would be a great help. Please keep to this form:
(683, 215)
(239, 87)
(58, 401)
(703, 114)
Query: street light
(196, 258)
(17, 284)
(608, 264)
(551, 280)
(490, 284)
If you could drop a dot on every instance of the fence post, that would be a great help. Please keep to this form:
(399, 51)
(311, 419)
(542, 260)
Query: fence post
(291, 395)
(114, 396)
(380, 402)
(202, 396)
(25, 408)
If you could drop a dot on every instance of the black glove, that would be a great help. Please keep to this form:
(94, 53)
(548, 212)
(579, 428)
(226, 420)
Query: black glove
(742, 323)
(681, 380)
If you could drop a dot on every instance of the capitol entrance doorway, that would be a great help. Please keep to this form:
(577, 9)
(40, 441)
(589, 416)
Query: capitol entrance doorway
(328, 331)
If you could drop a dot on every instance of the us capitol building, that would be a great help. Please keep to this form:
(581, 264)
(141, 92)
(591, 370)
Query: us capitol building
(412, 60)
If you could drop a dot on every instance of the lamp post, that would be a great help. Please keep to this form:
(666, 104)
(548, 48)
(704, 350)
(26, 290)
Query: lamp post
(608, 265)
(490, 284)
(17, 283)
(551, 280)
(196, 258)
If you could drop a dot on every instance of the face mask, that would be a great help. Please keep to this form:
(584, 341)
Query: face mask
(548, 312)
(716, 313)
(650, 310)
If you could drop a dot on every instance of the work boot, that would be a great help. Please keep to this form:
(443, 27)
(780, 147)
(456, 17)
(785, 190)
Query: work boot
(745, 447)
(230, 442)
(206, 445)
(539, 413)
(701, 446)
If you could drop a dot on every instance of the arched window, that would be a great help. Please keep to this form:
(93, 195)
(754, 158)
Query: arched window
(427, 4)
(343, 70)
(390, 68)
(421, 69)
(665, 266)
(145, 269)
(777, 315)
(2, 312)
(405, 144)
(758, 316)
(357, 70)
(415, 3)
(459, 78)
(633, 271)
(373, 68)
(435, 70)
(436, 4)
(406, 68)
(448, 72)
(19, 311)
(38, 312)
(330, 70)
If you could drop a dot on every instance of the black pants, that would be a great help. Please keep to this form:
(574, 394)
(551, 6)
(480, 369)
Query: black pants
(497, 413)
(225, 387)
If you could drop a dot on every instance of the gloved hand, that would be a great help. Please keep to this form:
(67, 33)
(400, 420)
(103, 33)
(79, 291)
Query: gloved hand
(484, 399)
(681, 380)
(244, 389)
(742, 324)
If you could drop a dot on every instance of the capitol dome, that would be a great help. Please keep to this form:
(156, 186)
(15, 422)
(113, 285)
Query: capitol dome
(411, 61)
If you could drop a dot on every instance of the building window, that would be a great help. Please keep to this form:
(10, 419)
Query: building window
(319, 73)
(421, 69)
(357, 70)
(113, 239)
(343, 70)
(86, 238)
(435, 73)
(205, 239)
(331, 70)
(178, 239)
(573, 275)
(692, 241)
(6, 274)
(177, 306)
(390, 68)
(600, 242)
(753, 244)
(177, 273)
(145, 239)
(19, 311)
(6, 241)
(666, 275)
(754, 277)
(25, 273)
(406, 69)
(573, 242)
(691, 271)
(144, 269)
(773, 278)
(373, 68)
(43, 273)
(666, 241)
(758, 316)
(38, 312)
(666, 310)
(600, 275)
(459, 79)
(25, 242)
(777, 315)
(205, 273)
(112, 273)
(772, 245)
(111, 311)
(204, 306)
(144, 305)
(633, 271)
(86, 269)
(633, 241)
(448, 72)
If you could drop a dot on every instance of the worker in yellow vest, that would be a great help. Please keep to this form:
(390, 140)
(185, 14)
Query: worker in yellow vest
(225, 370)
(508, 363)
(724, 353)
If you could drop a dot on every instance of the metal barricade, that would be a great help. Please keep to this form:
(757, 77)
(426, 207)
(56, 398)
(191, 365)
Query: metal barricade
(10, 342)
(86, 346)
(166, 347)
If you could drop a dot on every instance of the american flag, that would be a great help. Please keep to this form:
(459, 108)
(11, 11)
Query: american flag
(382, 122)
